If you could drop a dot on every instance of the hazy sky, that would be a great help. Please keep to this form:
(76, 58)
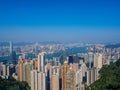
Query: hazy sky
(60, 20)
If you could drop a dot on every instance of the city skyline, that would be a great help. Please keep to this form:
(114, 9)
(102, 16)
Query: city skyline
(57, 20)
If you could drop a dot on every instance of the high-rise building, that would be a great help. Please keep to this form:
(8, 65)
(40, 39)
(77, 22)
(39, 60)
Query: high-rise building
(91, 75)
(3, 70)
(63, 57)
(70, 59)
(41, 62)
(0, 72)
(28, 69)
(20, 65)
(11, 69)
(68, 77)
(88, 75)
(36, 51)
(71, 85)
(41, 81)
(65, 68)
(34, 80)
(48, 71)
(55, 82)
(83, 69)
(12, 54)
(79, 80)
(98, 62)
(55, 70)
(55, 73)
(0, 69)
(38, 80)
(24, 70)
(13, 57)
(11, 47)
(35, 64)
(90, 59)
(74, 66)
(56, 61)
(8, 71)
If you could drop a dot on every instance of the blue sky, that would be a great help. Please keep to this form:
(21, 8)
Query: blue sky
(60, 20)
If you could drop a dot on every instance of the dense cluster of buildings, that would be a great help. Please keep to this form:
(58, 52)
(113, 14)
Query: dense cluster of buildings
(71, 72)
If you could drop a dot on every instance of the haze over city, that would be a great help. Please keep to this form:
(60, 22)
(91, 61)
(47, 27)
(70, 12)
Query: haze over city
(58, 20)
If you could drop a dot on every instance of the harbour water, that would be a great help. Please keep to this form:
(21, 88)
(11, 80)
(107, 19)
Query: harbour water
(67, 52)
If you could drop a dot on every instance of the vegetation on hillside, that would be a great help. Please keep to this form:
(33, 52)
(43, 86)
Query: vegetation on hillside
(12, 84)
(110, 78)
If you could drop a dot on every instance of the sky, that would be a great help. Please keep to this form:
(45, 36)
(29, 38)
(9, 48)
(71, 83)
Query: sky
(60, 20)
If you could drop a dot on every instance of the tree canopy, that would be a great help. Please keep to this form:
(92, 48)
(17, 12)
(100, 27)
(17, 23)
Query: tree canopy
(12, 84)
(109, 78)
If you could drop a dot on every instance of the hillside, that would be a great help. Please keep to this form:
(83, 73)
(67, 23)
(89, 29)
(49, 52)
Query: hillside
(12, 84)
(110, 78)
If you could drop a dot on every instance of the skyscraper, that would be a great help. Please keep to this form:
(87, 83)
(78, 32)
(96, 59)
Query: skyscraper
(14, 57)
(34, 85)
(90, 59)
(38, 81)
(91, 75)
(11, 52)
(3, 70)
(7, 71)
(55, 71)
(55, 82)
(88, 75)
(20, 64)
(79, 80)
(71, 79)
(65, 68)
(83, 70)
(56, 61)
(24, 70)
(41, 81)
(41, 62)
(98, 62)
(11, 69)
(70, 59)
(11, 47)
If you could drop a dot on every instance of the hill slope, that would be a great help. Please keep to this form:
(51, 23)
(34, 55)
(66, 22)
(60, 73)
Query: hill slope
(110, 78)
(12, 84)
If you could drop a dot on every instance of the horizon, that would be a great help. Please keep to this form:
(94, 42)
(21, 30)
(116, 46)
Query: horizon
(63, 21)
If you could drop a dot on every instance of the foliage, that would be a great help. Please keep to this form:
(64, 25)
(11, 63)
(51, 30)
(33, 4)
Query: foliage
(12, 84)
(110, 78)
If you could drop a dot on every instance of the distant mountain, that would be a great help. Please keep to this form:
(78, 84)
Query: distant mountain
(113, 45)
(110, 78)
(28, 43)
